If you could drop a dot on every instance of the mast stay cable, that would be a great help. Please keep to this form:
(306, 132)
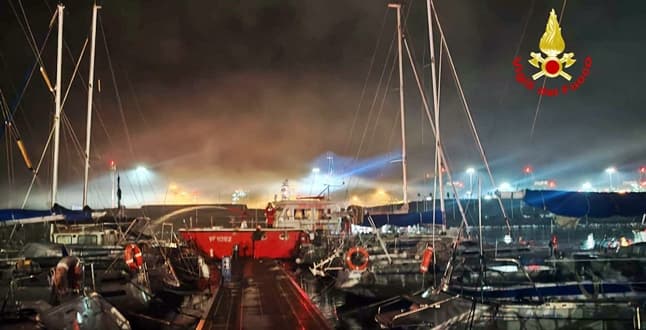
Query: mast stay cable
(377, 91)
(474, 131)
(116, 89)
(540, 96)
(365, 83)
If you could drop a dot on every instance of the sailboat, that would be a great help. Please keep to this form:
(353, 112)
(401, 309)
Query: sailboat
(29, 292)
(491, 292)
(393, 265)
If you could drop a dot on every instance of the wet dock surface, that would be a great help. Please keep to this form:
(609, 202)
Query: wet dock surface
(260, 294)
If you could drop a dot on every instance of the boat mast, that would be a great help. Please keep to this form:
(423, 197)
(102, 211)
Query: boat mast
(57, 115)
(436, 109)
(397, 6)
(480, 215)
(90, 89)
(481, 240)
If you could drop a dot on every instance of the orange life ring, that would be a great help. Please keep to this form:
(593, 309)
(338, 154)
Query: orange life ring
(352, 251)
(132, 256)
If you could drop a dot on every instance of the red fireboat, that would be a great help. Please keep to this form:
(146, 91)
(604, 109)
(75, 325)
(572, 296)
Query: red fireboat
(289, 223)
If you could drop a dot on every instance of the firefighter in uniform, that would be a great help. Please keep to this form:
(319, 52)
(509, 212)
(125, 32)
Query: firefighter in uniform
(270, 214)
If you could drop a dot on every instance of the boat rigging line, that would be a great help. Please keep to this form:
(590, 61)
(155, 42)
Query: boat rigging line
(372, 106)
(67, 124)
(40, 162)
(12, 131)
(66, 120)
(116, 88)
(26, 29)
(440, 146)
(383, 102)
(33, 69)
(516, 52)
(469, 116)
(377, 91)
(365, 83)
(391, 136)
(540, 96)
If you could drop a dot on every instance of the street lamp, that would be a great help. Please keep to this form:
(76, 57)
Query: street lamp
(470, 172)
(611, 170)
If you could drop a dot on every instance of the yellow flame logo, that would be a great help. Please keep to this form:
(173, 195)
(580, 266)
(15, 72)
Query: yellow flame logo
(552, 44)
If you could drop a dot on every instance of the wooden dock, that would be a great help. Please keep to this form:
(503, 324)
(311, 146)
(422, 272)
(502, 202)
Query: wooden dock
(261, 294)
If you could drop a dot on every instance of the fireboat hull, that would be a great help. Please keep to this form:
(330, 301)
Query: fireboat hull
(221, 242)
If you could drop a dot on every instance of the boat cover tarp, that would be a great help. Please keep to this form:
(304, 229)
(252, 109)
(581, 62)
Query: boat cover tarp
(57, 213)
(590, 204)
(12, 216)
(84, 215)
(403, 219)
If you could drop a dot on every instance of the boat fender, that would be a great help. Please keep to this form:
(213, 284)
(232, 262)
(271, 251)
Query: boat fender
(205, 272)
(133, 257)
(426, 259)
(363, 265)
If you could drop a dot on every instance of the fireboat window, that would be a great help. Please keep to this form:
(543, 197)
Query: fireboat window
(302, 214)
(87, 240)
(322, 215)
(64, 239)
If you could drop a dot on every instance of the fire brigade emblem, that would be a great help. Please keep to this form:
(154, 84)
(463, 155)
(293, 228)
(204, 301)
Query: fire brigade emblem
(552, 44)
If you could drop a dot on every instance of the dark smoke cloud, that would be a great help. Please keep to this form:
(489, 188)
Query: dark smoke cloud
(220, 95)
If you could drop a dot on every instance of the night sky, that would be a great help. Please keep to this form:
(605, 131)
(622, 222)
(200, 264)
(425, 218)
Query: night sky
(222, 95)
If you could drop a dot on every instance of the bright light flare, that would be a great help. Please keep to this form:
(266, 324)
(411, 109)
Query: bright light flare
(611, 170)
(505, 187)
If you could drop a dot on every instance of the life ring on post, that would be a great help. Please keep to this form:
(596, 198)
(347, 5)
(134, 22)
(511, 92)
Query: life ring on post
(363, 265)
(132, 256)
(427, 257)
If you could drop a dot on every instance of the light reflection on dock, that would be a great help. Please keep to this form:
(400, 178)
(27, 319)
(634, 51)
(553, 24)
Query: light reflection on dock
(261, 294)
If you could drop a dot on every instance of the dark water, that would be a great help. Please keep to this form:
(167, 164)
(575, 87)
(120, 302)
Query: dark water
(328, 299)
(334, 303)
